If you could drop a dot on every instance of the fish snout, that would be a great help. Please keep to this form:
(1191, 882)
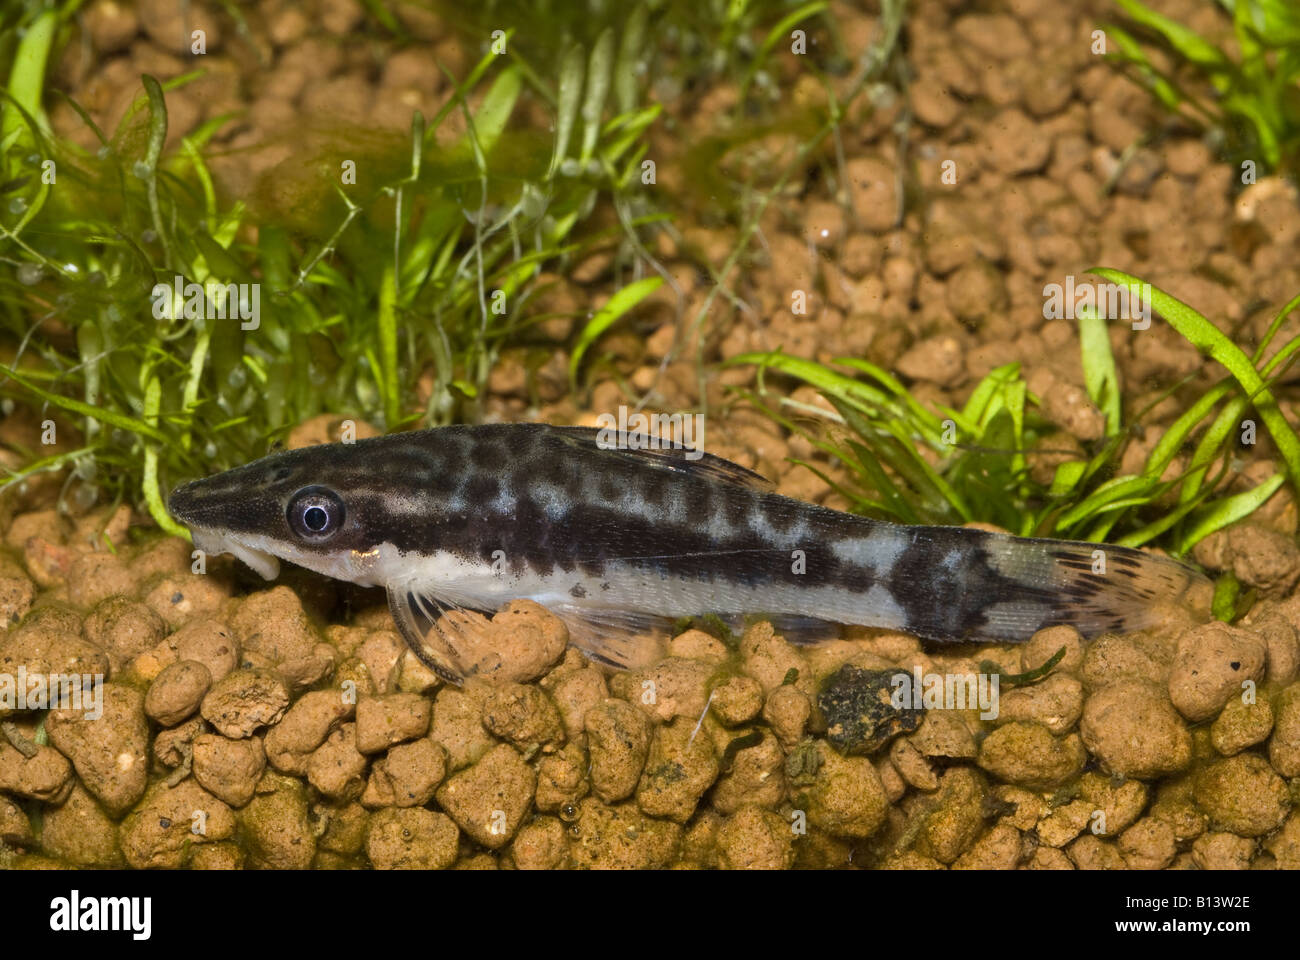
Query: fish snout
(180, 503)
(196, 503)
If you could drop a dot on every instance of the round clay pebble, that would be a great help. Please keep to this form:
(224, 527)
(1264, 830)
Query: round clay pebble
(111, 751)
(787, 711)
(275, 827)
(1133, 730)
(618, 738)
(211, 643)
(1240, 725)
(957, 818)
(755, 839)
(1148, 845)
(407, 776)
(1026, 754)
(125, 628)
(243, 701)
(1223, 851)
(998, 848)
(1284, 744)
(411, 839)
(1242, 795)
(228, 769)
(490, 799)
(756, 773)
(540, 845)
(157, 832)
(574, 694)
(843, 795)
(337, 768)
(395, 718)
(737, 700)
(1046, 643)
(177, 692)
(681, 765)
(1212, 663)
(523, 715)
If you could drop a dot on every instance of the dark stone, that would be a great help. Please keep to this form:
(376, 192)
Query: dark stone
(860, 715)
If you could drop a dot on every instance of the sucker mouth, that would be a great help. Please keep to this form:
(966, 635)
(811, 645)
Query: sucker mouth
(214, 541)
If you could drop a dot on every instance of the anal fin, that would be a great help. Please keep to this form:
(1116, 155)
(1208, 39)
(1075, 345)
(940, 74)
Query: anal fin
(623, 639)
(800, 630)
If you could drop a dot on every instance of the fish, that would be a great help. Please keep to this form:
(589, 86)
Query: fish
(622, 542)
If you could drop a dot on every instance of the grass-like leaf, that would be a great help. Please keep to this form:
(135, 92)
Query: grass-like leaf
(914, 464)
(617, 305)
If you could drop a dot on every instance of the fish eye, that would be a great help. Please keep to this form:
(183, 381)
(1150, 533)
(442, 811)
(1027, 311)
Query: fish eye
(315, 513)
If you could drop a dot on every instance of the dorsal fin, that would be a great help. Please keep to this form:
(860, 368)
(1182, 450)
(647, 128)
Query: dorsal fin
(669, 455)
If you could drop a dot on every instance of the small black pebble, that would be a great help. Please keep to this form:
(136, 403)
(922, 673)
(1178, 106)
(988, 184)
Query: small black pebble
(860, 714)
(1236, 664)
(177, 597)
(164, 823)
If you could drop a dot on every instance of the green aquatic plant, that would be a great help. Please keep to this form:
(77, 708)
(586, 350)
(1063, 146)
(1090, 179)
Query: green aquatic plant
(696, 41)
(1248, 100)
(421, 263)
(917, 464)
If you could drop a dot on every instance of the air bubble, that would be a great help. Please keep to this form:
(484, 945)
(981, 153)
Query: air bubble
(142, 170)
(210, 451)
(17, 205)
(84, 496)
(237, 377)
(532, 202)
(29, 274)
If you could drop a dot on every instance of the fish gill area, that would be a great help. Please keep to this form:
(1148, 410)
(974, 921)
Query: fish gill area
(248, 725)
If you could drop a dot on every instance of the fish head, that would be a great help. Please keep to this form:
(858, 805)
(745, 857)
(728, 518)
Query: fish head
(322, 507)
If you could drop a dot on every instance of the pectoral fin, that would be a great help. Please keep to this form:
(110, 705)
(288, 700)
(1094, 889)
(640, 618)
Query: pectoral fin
(420, 620)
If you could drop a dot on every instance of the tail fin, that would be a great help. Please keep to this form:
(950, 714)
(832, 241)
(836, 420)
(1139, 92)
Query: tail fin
(1095, 588)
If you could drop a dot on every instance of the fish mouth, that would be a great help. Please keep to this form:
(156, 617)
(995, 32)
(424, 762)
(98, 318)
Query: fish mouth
(187, 505)
(217, 541)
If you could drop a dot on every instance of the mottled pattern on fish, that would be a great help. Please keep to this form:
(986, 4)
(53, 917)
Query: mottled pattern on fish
(619, 542)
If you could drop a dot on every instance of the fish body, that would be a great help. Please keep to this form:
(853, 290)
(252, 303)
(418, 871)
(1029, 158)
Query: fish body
(621, 542)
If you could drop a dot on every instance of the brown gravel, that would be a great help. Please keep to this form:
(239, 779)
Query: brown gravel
(240, 730)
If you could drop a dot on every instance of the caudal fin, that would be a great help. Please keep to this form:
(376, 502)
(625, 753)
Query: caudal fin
(1095, 588)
